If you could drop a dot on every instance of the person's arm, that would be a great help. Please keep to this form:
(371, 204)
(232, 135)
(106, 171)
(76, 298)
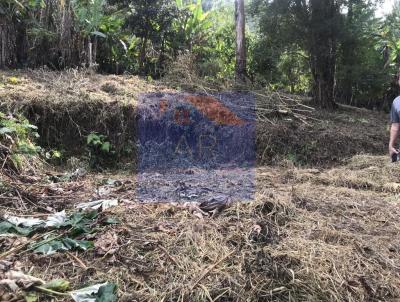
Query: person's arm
(394, 133)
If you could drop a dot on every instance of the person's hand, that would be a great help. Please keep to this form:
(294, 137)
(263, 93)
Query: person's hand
(392, 151)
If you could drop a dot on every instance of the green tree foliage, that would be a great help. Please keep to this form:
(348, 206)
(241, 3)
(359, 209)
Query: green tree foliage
(333, 50)
(312, 26)
(356, 52)
(361, 76)
(389, 48)
(151, 21)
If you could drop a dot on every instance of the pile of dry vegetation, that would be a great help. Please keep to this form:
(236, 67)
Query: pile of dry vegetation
(67, 106)
(305, 237)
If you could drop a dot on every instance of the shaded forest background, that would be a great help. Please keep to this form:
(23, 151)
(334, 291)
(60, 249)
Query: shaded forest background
(333, 50)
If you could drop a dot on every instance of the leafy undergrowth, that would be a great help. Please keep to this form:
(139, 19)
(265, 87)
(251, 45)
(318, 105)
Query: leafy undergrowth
(17, 143)
(305, 237)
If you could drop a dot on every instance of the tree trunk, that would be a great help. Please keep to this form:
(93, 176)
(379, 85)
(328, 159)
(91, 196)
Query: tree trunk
(94, 51)
(161, 58)
(142, 55)
(323, 52)
(3, 46)
(240, 41)
(348, 46)
(90, 55)
(8, 49)
(21, 45)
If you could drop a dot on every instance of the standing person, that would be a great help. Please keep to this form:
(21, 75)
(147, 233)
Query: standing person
(394, 128)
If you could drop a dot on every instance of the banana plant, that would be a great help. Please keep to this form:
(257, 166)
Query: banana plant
(90, 15)
(195, 25)
(390, 39)
(18, 8)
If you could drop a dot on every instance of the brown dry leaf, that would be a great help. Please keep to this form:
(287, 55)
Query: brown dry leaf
(16, 279)
(54, 190)
(6, 296)
(106, 244)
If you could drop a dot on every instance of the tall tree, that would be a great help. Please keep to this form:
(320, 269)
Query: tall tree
(240, 41)
(311, 26)
(361, 76)
(150, 20)
(322, 45)
(90, 15)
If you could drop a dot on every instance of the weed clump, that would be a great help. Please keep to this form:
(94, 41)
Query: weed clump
(17, 142)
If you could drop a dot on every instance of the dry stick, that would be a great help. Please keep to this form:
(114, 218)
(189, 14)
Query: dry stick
(168, 255)
(17, 188)
(7, 197)
(20, 247)
(209, 269)
(80, 262)
(50, 291)
(21, 200)
(34, 215)
(4, 163)
(37, 206)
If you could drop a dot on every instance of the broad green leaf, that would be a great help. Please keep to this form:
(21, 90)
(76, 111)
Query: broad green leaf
(31, 297)
(106, 147)
(51, 247)
(87, 294)
(59, 285)
(56, 154)
(65, 244)
(99, 34)
(92, 137)
(107, 293)
(81, 218)
(9, 228)
(82, 226)
(5, 130)
(72, 244)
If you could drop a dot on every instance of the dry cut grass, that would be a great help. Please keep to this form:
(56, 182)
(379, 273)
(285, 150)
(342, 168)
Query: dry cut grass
(301, 239)
(71, 86)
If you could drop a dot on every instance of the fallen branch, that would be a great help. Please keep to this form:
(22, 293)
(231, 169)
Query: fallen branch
(20, 247)
(80, 262)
